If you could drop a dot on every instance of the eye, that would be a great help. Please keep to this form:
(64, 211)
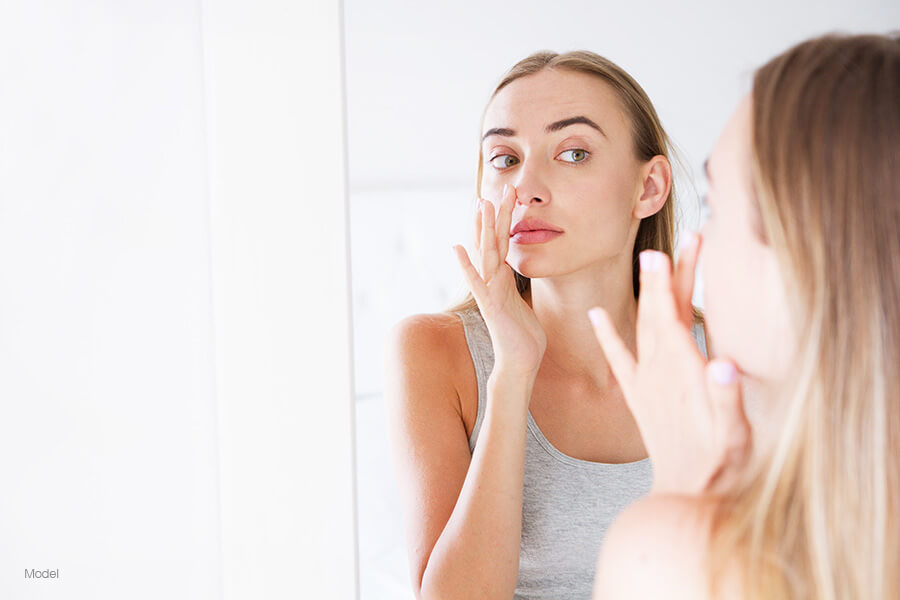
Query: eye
(575, 155)
(503, 161)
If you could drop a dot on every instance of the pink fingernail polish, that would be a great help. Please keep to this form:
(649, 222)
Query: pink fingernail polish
(687, 239)
(649, 260)
(722, 372)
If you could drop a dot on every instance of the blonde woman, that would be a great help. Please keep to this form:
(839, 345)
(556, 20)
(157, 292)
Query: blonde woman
(802, 283)
(513, 445)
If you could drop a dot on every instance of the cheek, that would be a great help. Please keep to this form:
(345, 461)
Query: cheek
(743, 303)
(730, 304)
(491, 185)
(602, 211)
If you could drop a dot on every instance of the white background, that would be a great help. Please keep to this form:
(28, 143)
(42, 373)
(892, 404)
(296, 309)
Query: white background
(418, 77)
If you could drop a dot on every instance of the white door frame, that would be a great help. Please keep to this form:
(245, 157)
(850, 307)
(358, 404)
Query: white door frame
(281, 296)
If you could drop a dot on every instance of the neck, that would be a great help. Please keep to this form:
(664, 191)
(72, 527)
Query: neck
(561, 304)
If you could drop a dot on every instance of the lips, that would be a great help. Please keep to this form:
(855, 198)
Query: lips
(534, 225)
(533, 231)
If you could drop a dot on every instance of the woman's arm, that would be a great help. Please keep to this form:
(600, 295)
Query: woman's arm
(462, 512)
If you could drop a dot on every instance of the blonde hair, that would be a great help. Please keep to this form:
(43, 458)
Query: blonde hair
(818, 517)
(655, 232)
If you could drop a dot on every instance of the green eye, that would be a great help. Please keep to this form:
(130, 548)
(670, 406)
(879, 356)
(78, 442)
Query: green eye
(576, 155)
(502, 161)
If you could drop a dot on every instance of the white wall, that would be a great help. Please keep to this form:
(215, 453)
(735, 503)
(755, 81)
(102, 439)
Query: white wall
(175, 363)
(107, 412)
(282, 298)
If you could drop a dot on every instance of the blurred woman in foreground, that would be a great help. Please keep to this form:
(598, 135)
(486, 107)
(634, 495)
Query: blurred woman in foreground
(802, 302)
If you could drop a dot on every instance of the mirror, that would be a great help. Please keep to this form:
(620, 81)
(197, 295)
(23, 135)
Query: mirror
(418, 78)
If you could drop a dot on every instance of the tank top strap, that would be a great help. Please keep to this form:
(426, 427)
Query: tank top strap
(478, 339)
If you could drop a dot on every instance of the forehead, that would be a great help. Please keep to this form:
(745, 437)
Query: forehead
(529, 103)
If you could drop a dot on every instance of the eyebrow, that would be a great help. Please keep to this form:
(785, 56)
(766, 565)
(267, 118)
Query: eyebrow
(555, 126)
(573, 121)
(498, 131)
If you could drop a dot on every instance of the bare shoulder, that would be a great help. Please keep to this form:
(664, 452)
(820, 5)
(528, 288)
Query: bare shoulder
(428, 331)
(427, 354)
(657, 548)
(428, 342)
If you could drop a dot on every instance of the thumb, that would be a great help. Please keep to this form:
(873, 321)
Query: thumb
(732, 430)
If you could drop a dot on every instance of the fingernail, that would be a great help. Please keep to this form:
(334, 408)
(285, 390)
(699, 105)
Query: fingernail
(505, 188)
(722, 372)
(649, 260)
(687, 239)
(594, 316)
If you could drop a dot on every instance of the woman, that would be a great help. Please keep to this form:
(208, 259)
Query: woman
(802, 283)
(513, 445)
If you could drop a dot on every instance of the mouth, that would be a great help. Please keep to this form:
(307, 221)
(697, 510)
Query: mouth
(529, 225)
(534, 231)
(534, 236)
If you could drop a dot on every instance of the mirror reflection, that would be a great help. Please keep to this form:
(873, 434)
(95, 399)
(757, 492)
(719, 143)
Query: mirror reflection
(499, 192)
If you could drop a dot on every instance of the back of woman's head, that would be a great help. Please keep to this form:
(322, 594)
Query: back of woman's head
(821, 518)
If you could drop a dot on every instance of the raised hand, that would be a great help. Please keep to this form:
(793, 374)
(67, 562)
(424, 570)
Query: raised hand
(689, 412)
(517, 337)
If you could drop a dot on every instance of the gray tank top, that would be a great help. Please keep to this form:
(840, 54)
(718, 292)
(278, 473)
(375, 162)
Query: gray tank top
(567, 503)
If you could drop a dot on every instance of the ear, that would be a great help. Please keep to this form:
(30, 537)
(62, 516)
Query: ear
(656, 181)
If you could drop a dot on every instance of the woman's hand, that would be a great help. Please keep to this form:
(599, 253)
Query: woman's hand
(689, 412)
(517, 336)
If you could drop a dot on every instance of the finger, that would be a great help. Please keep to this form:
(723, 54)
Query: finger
(504, 219)
(488, 241)
(732, 430)
(683, 280)
(656, 284)
(656, 311)
(478, 226)
(619, 357)
(476, 283)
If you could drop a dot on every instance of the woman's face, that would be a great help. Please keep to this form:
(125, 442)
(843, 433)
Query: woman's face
(562, 139)
(744, 301)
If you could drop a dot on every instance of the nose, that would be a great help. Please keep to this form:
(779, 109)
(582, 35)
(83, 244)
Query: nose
(526, 200)
(531, 186)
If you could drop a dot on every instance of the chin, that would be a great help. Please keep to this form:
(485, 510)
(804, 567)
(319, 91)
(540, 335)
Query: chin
(530, 269)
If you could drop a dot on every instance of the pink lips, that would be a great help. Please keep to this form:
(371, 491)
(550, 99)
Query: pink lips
(534, 231)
